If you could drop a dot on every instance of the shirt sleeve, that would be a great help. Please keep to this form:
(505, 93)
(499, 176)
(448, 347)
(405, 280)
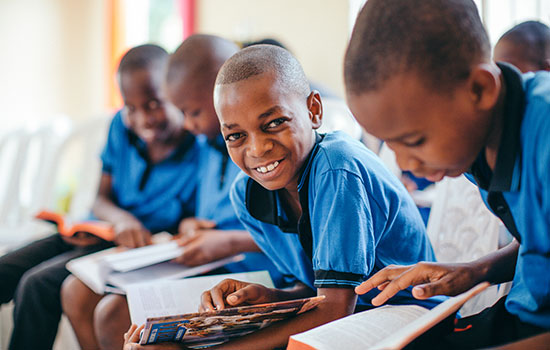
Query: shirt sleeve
(110, 150)
(342, 229)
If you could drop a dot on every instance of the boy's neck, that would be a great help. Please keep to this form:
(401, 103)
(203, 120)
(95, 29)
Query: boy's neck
(495, 135)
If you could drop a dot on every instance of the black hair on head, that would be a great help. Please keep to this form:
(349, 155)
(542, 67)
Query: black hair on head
(146, 56)
(437, 39)
(200, 56)
(266, 41)
(258, 59)
(533, 38)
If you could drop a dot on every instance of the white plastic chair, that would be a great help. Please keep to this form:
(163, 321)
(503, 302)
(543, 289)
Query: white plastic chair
(462, 229)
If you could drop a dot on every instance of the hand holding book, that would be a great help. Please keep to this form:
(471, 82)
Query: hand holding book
(231, 293)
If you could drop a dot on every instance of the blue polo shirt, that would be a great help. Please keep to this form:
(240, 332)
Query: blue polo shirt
(215, 177)
(518, 190)
(356, 219)
(158, 194)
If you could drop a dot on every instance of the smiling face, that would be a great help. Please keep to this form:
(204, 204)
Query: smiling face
(195, 100)
(146, 113)
(433, 134)
(268, 130)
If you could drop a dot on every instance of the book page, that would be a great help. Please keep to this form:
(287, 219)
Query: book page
(163, 271)
(386, 327)
(91, 271)
(145, 256)
(175, 297)
(359, 331)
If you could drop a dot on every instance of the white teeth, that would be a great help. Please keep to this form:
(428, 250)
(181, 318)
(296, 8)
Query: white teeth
(268, 168)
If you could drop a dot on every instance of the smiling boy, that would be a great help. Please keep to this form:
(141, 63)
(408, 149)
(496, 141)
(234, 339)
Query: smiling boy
(322, 207)
(425, 83)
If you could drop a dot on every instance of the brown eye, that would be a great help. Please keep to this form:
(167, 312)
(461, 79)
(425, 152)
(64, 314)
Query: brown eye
(275, 123)
(233, 137)
(415, 143)
(153, 104)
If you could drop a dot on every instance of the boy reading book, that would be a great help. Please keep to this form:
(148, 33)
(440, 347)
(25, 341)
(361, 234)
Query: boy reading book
(322, 207)
(148, 181)
(215, 231)
(459, 112)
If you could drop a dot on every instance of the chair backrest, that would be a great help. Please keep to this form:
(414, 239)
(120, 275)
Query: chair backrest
(28, 163)
(462, 229)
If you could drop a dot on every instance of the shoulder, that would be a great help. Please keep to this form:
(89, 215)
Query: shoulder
(339, 153)
(238, 191)
(536, 120)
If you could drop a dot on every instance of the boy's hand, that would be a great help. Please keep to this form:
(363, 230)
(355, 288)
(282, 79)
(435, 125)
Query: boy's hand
(230, 292)
(189, 226)
(428, 278)
(130, 233)
(205, 246)
(81, 240)
(131, 339)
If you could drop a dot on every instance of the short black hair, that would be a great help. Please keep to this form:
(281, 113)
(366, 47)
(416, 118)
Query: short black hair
(533, 38)
(258, 59)
(437, 39)
(266, 41)
(200, 55)
(146, 56)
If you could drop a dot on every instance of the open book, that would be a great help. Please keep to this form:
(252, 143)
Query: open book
(65, 227)
(385, 327)
(198, 330)
(114, 269)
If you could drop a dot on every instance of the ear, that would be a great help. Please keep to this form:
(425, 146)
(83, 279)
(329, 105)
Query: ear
(484, 85)
(315, 108)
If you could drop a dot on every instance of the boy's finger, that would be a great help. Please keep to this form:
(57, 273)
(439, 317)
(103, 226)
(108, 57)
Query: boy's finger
(129, 332)
(444, 286)
(392, 288)
(217, 297)
(134, 338)
(381, 277)
(206, 302)
(206, 224)
(139, 239)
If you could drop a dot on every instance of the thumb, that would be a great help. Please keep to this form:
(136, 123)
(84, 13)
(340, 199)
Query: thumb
(428, 290)
(242, 296)
(206, 224)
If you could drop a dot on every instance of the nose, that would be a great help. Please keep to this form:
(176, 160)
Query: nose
(188, 124)
(407, 161)
(258, 146)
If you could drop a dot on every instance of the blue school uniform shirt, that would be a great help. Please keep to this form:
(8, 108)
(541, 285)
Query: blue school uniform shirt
(518, 190)
(159, 194)
(357, 218)
(215, 177)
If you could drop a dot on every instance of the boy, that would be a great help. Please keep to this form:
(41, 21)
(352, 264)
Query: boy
(297, 182)
(215, 232)
(459, 112)
(526, 46)
(148, 182)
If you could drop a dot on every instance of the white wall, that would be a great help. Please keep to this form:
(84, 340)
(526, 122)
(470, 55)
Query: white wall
(52, 59)
(316, 31)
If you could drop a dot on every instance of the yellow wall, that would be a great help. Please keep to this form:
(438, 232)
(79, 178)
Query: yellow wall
(316, 31)
(52, 59)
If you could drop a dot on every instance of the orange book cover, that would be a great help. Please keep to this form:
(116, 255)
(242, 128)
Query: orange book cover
(101, 229)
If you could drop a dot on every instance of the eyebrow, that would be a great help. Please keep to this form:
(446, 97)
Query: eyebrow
(263, 115)
(402, 137)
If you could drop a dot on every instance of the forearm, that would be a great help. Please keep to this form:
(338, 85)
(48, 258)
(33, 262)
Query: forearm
(241, 241)
(298, 291)
(276, 335)
(499, 266)
(104, 209)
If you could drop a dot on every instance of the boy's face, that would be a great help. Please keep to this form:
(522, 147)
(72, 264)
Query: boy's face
(506, 51)
(269, 131)
(433, 134)
(195, 100)
(146, 112)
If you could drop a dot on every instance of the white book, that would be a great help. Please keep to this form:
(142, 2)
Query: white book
(174, 297)
(385, 327)
(116, 268)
